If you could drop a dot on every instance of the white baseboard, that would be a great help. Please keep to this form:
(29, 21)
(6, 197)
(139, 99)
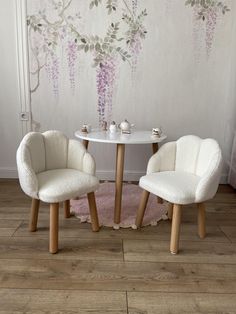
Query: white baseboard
(8, 172)
(11, 172)
(224, 178)
(128, 175)
(135, 176)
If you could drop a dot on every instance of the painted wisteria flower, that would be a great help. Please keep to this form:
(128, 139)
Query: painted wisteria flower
(55, 75)
(119, 43)
(134, 6)
(114, 45)
(136, 32)
(48, 67)
(106, 75)
(105, 53)
(71, 60)
(51, 33)
(198, 35)
(211, 21)
(208, 11)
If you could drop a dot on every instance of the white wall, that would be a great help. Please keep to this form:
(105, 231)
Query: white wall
(10, 126)
(171, 90)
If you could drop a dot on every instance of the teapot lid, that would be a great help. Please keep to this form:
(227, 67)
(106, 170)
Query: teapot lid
(126, 121)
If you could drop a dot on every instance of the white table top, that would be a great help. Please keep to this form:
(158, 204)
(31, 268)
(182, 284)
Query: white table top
(136, 137)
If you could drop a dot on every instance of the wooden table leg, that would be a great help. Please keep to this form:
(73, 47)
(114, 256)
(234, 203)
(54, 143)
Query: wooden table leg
(154, 150)
(86, 142)
(170, 211)
(201, 220)
(120, 154)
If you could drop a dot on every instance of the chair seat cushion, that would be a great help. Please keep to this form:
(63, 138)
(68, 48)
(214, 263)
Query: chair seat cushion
(177, 187)
(63, 184)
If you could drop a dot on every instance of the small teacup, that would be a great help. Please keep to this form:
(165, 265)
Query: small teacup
(86, 128)
(157, 132)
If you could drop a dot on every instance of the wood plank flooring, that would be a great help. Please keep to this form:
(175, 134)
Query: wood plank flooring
(116, 271)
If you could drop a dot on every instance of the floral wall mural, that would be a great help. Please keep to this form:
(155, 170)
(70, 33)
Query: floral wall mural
(53, 28)
(208, 12)
(100, 60)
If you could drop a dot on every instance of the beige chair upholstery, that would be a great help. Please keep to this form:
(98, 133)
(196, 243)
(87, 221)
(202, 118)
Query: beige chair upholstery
(53, 169)
(183, 172)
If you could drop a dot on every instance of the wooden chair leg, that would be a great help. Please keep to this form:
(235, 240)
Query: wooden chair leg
(34, 214)
(175, 229)
(142, 208)
(66, 205)
(159, 200)
(53, 237)
(93, 211)
(201, 220)
(170, 210)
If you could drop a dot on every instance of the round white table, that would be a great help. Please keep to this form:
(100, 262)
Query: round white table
(135, 137)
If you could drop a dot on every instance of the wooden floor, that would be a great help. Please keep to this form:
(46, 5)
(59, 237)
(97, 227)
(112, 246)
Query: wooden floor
(116, 271)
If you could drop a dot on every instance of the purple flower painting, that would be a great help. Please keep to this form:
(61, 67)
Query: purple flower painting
(62, 32)
(55, 75)
(106, 75)
(211, 21)
(207, 11)
(134, 6)
(71, 60)
(52, 70)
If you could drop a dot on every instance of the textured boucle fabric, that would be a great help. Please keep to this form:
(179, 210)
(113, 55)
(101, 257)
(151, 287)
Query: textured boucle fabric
(232, 171)
(27, 176)
(56, 150)
(164, 159)
(72, 167)
(177, 187)
(63, 184)
(185, 171)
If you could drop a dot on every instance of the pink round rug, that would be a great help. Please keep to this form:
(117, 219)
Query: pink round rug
(105, 198)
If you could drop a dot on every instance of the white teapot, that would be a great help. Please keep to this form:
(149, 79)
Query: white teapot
(125, 126)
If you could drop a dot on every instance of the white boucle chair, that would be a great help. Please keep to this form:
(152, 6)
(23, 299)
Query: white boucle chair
(53, 169)
(182, 172)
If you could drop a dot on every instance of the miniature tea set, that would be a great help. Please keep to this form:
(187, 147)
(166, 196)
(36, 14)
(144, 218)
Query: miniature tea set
(125, 127)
